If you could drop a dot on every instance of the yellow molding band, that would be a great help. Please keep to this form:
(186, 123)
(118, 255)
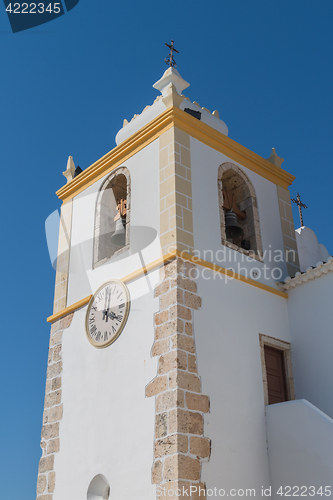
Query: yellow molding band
(174, 117)
(148, 267)
(69, 309)
(125, 279)
(156, 263)
(117, 156)
(222, 143)
(230, 273)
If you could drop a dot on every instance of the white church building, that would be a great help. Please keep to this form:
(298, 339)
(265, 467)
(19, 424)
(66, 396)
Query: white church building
(191, 337)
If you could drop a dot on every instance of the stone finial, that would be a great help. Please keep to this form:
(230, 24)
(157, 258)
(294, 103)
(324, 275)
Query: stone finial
(171, 77)
(275, 159)
(69, 172)
(172, 98)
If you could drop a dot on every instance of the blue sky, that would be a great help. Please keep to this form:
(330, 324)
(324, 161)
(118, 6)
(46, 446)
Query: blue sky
(66, 87)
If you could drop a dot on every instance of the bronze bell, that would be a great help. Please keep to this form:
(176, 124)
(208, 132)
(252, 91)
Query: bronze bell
(232, 228)
(119, 236)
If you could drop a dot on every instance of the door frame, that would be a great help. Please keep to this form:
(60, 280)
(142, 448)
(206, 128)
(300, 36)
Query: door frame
(281, 345)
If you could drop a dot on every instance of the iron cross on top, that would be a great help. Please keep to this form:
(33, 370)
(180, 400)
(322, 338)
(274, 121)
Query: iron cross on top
(170, 60)
(300, 206)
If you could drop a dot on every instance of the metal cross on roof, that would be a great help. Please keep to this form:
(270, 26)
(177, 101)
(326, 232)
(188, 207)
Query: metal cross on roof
(300, 206)
(170, 60)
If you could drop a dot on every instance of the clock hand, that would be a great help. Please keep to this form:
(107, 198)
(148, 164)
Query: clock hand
(111, 314)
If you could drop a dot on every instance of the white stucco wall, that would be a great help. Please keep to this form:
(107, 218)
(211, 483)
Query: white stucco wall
(206, 216)
(300, 449)
(311, 320)
(226, 330)
(84, 280)
(108, 423)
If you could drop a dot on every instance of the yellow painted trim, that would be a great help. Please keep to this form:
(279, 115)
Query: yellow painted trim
(222, 143)
(156, 263)
(174, 117)
(148, 267)
(125, 279)
(69, 309)
(117, 156)
(230, 273)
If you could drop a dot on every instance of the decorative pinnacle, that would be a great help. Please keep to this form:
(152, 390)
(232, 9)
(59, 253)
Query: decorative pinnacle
(170, 60)
(300, 206)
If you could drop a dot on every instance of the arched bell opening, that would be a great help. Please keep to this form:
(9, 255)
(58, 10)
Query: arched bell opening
(112, 216)
(240, 227)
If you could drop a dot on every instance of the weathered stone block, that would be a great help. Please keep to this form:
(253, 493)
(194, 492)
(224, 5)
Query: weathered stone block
(160, 347)
(50, 431)
(55, 383)
(46, 416)
(192, 363)
(41, 484)
(66, 321)
(192, 301)
(185, 421)
(56, 338)
(172, 297)
(52, 399)
(55, 327)
(198, 402)
(53, 446)
(51, 481)
(184, 313)
(172, 360)
(183, 342)
(189, 269)
(184, 283)
(157, 385)
(172, 267)
(198, 491)
(161, 425)
(157, 472)
(181, 467)
(170, 445)
(57, 352)
(55, 413)
(170, 399)
(200, 446)
(46, 463)
(184, 380)
(162, 288)
(166, 329)
(189, 329)
(161, 317)
(54, 370)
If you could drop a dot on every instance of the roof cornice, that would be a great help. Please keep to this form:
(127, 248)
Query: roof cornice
(310, 274)
(174, 117)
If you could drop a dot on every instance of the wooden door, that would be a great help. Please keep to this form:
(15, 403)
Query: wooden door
(276, 378)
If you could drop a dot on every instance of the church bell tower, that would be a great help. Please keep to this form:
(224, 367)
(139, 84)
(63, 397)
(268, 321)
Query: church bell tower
(166, 301)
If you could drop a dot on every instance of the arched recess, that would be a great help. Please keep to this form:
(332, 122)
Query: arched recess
(112, 201)
(99, 488)
(235, 188)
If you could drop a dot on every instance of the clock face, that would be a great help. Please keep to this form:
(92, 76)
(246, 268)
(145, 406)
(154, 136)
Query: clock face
(107, 313)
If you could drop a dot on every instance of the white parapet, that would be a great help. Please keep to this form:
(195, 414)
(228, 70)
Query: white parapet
(310, 251)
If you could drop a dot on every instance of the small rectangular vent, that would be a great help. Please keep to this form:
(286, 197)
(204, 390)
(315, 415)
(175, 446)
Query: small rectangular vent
(196, 114)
